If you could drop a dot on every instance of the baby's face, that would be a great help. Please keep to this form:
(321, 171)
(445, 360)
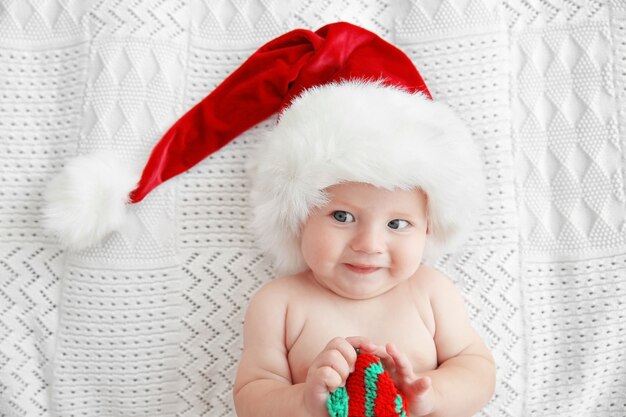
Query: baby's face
(366, 240)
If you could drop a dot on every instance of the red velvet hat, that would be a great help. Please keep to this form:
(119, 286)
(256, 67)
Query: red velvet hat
(87, 200)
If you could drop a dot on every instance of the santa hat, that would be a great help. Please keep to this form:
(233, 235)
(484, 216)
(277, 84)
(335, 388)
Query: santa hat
(352, 108)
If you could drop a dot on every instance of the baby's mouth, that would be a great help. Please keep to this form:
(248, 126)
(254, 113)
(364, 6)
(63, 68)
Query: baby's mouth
(362, 269)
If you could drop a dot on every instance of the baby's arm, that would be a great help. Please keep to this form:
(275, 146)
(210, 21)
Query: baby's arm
(264, 387)
(464, 381)
(263, 384)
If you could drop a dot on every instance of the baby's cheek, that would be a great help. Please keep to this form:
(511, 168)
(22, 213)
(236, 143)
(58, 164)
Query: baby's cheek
(408, 260)
(313, 251)
(307, 244)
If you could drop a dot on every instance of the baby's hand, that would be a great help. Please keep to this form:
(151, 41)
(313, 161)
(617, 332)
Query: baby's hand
(418, 391)
(330, 369)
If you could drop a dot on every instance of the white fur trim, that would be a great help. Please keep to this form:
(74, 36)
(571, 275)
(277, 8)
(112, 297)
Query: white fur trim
(363, 132)
(87, 200)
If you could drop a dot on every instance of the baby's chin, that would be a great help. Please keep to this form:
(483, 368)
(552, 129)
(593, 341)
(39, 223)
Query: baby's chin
(360, 293)
(361, 297)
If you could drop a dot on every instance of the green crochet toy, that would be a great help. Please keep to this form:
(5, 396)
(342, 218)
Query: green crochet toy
(369, 392)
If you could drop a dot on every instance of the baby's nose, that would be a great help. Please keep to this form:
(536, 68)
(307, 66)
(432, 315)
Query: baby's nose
(368, 240)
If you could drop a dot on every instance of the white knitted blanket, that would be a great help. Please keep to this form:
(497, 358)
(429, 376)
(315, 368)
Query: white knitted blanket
(149, 324)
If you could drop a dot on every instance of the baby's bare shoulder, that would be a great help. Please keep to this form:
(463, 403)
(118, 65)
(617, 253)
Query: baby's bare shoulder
(429, 281)
(267, 310)
(281, 290)
(274, 314)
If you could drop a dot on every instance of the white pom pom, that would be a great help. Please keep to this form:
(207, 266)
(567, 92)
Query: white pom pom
(87, 200)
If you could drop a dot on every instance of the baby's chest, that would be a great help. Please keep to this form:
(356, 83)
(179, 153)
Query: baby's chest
(403, 327)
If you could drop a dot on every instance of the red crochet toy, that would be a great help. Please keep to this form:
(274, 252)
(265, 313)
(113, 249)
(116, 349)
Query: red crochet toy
(369, 391)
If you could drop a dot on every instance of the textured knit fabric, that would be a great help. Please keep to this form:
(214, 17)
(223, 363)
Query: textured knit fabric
(369, 391)
(150, 323)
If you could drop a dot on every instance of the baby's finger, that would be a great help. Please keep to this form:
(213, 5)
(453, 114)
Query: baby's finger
(326, 379)
(362, 343)
(388, 362)
(422, 393)
(334, 360)
(344, 347)
(404, 369)
(420, 386)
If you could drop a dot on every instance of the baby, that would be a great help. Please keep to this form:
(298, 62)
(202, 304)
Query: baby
(347, 203)
(362, 178)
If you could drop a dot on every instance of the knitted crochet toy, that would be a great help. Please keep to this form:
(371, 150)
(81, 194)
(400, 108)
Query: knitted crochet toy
(369, 391)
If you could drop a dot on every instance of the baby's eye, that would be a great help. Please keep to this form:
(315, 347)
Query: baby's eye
(398, 224)
(343, 216)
